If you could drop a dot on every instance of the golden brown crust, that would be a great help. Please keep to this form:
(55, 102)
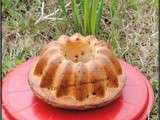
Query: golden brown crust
(77, 73)
(68, 102)
(81, 80)
(108, 53)
(64, 79)
(110, 70)
(50, 71)
(96, 77)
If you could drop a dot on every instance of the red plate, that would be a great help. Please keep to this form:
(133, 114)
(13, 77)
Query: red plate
(148, 109)
(20, 103)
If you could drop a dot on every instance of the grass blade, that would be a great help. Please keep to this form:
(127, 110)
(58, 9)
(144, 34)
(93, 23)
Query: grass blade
(82, 6)
(93, 16)
(62, 5)
(113, 5)
(99, 15)
(89, 17)
(85, 16)
(81, 14)
(75, 13)
(114, 13)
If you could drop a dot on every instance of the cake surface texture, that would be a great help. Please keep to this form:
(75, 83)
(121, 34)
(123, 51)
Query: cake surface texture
(77, 72)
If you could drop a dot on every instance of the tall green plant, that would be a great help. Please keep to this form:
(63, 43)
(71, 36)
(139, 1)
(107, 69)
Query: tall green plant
(76, 14)
(93, 16)
(86, 15)
(99, 15)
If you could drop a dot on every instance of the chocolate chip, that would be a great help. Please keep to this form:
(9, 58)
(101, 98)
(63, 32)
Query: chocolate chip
(76, 60)
(76, 56)
(94, 81)
(77, 39)
(82, 53)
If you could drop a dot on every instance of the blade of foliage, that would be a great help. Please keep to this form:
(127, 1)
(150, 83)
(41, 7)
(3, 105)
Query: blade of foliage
(114, 13)
(75, 13)
(93, 16)
(62, 5)
(113, 5)
(6, 4)
(82, 6)
(99, 15)
(81, 13)
(85, 15)
(89, 19)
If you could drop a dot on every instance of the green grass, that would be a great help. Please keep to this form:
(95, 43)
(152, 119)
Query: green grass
(127, 25)
(76, 14)
(86, 15)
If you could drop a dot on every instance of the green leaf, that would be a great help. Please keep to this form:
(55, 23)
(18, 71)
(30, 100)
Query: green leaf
(93, 16)
(99, 15)
(6, 4)
(113, 7)
(81, 13)
(18, 61)
(82, 6)
(132, 4)
(75, 13)
(85, 16)
(23, 24)
(62, 5)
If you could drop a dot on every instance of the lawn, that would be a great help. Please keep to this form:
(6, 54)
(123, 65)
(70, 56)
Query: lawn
(131, 26)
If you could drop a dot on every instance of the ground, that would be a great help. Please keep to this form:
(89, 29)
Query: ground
(130, 25)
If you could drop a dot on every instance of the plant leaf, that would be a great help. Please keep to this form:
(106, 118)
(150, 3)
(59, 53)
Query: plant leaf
(113, 5)
(93, 16)
(89, 17)
(75, 13)
(6, 4)
(99, 15)
(86, 16)
(62, 5)
(82, 6)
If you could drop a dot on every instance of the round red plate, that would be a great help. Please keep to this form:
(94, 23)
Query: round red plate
(148, 109)
(21, 104)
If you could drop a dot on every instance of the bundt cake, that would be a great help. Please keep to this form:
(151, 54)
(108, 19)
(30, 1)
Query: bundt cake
(77, 72)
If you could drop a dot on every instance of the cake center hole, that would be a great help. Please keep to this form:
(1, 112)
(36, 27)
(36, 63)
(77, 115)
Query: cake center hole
(78, 52)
